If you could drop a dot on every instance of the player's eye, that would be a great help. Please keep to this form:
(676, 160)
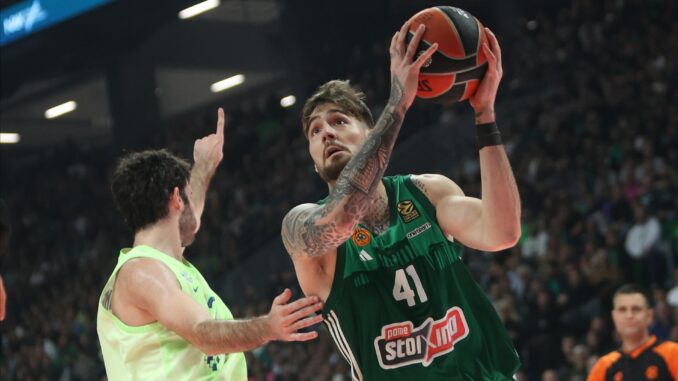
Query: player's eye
(314, 131)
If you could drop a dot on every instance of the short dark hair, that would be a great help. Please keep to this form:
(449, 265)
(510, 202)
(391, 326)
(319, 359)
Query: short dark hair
(143, 182)
(631, 288)
(342, 94)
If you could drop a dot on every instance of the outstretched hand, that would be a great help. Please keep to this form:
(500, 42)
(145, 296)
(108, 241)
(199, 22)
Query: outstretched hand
(209, 151)
(284, 320)
(404, 67)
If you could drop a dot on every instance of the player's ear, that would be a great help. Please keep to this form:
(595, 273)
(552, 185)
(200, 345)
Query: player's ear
(175, 200)
(315, 167)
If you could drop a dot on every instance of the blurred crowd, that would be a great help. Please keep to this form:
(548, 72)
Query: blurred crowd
(595, 155)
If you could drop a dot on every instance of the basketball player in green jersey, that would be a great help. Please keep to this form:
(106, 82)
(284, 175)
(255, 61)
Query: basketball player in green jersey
(158, 319)
(383, 253)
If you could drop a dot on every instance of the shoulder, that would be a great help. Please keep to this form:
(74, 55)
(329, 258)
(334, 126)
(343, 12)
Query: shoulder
(295, 224)
(144, 276)
(610, 358)
(602, 365)
(294, 220)
(668, 349)
(300, 211)
(436, 186)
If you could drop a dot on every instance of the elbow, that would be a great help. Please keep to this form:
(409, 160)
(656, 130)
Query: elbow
(511, 232)
(204, 347)
(210, 351)
(346, 230)
(344, 225)
(513, 236)
(198, 341)
(506, 239)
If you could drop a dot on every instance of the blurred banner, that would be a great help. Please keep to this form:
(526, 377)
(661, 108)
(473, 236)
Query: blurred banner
(27, 17)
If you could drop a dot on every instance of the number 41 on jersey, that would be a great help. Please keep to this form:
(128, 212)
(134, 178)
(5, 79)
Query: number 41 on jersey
(402, 289)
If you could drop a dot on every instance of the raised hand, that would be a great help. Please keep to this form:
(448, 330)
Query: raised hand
(483, 100)
(207, 154)
(284, 320)
(209, 151)
(404, 67)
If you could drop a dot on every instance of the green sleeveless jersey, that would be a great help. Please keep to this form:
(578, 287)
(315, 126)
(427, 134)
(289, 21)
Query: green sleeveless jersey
(152, 352)
(403, 306)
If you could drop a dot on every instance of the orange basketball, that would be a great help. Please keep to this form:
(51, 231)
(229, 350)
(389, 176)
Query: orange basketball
(455, 69)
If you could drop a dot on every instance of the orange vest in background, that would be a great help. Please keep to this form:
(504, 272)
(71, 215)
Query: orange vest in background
(652, 361)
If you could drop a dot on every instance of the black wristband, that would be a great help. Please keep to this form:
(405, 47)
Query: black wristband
(488, 135)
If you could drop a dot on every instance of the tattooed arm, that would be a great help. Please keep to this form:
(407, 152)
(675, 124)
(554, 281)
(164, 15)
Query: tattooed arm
(314, 230)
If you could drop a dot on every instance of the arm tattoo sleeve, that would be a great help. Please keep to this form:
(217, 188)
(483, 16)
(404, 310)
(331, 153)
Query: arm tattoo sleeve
(313, 230)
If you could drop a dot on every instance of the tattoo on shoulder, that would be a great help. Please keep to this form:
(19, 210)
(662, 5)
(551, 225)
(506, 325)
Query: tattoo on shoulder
(291, 226)
(420, 184)
(301, 234)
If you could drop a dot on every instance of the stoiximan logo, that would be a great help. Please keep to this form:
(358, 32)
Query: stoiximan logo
(401, 344)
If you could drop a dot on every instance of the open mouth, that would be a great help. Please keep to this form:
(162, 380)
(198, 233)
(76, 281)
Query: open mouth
(331, 150)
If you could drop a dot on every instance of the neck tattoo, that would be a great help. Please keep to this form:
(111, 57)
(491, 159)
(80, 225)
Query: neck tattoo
(377, 217)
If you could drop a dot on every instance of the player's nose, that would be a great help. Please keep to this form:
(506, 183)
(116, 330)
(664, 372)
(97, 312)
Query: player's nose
(328, 133)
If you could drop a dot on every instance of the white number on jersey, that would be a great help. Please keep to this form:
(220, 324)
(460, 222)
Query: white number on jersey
(402, 289)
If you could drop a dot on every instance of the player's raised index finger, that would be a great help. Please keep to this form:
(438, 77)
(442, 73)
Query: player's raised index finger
(221, 120)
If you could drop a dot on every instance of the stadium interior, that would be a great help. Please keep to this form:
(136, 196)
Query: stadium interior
(588, 108)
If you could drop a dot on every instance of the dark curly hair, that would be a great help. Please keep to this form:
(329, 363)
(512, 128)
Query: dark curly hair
(143, 182)
(342, 94)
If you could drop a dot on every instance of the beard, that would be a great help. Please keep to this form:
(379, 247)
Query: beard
(331, 171)
(187, 226)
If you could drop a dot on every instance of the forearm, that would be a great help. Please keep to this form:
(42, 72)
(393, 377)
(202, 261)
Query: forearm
(229, 336)
(315, 231)
(197, 187)
(361, 176)
(500, 198)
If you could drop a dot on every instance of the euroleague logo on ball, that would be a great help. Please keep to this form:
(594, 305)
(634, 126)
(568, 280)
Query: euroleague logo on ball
(460, 12)
(454, 71)
(428, 61)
